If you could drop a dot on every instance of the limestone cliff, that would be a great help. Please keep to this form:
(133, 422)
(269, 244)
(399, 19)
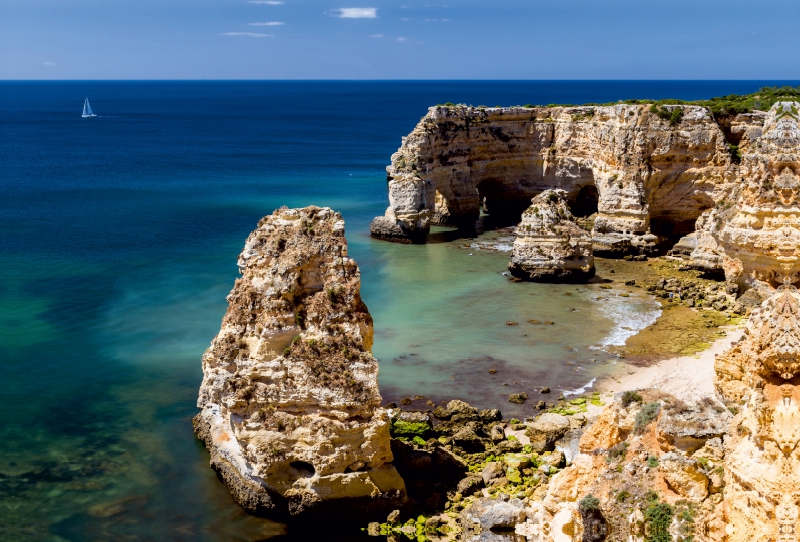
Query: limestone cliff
(643, 175)
(549, 245)
(289, 400)
(762, 466)
(753, 232)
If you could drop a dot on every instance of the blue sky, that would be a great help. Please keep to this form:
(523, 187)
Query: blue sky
(472, 39)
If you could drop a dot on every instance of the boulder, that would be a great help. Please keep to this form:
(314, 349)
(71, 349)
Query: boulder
(485, 515)
(546, 430)
(688, 428)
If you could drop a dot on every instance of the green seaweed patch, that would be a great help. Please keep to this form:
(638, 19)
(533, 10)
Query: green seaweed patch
(403, 428)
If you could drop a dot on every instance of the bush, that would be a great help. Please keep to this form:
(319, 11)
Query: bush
(622, 496)
(618, 451)
(645, 416)
(589, 503)
(658, 517)
(630, 397)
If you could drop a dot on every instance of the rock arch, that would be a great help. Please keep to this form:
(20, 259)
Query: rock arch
(644, 171)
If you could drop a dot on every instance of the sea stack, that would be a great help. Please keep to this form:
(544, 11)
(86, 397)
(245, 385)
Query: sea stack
(549, 245)
(290, 407)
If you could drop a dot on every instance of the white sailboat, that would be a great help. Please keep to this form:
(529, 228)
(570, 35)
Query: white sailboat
(87, 109)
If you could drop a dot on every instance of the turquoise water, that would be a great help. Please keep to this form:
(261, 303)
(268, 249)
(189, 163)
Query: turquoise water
(120, 239)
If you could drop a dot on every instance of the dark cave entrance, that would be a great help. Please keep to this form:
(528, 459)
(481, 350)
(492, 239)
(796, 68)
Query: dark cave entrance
(585, 203)
(502, 207)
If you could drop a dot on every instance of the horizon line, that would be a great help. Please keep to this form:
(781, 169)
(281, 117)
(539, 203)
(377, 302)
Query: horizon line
(382, 80)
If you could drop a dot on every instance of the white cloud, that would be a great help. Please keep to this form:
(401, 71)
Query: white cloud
(405, 19)
(248, 34)
(376, 36)
(271, 23)
(401, 39)
(48, 63)
(355, 13)
(266, 2)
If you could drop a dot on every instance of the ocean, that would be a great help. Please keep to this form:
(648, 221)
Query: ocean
(120, 240)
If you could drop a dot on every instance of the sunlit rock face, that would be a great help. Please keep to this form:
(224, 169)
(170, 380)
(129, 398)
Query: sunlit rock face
(644, 176)
(762, 466)
(549, 245)
(290, 408)
(753, 232)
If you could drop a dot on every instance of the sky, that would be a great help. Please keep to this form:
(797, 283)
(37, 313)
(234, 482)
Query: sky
(367, 39)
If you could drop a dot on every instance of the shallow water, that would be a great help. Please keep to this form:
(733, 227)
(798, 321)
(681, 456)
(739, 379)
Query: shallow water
(120, 239)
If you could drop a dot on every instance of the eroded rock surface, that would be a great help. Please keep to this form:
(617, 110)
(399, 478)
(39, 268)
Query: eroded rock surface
(753, 232)
(762, 484)
(549, 245)
(643, 176)
(289, 400)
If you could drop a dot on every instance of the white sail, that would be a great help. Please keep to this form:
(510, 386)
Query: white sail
(87, 109)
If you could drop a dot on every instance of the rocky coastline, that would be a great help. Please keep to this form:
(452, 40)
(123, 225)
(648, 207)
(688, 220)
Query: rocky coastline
(290, 407)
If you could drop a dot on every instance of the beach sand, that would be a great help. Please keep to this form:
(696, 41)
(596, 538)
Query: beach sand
(687, 377)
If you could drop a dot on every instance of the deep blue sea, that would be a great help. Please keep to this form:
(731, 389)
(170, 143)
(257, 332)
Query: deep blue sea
(120, 236)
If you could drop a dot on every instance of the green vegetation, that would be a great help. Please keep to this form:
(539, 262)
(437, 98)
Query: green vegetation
(673, 115)
(658, 517)
(652, 462)
(630, 397)
(589, 503)
(646, 415)
(618, 451)
(722, 106)
(402, 428)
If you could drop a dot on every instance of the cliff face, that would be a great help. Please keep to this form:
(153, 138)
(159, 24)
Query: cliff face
(289, 400)
(549, 245)
(762, 467)
(753, 232)
(642, 175)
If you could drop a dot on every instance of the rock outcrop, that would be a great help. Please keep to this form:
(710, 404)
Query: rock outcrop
(762, 465)
(753, 232)
(289, 401)
(549, 245)
(644, 176)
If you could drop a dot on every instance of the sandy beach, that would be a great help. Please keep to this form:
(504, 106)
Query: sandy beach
(687, 377)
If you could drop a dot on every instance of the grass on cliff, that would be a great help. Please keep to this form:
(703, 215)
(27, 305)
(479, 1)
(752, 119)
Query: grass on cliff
(761, 100)
(720, 106)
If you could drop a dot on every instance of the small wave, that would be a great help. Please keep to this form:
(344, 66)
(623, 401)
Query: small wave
(630, 316)
(578, 391)
(497, 247)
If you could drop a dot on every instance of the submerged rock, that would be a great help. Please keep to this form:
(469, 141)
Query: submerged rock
(290, 408)
(550, 246)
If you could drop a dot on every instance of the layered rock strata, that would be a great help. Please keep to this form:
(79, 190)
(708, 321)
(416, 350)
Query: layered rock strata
(762, 466)
(753, 232)
(549, 245)
(289, 401)
(642, 175)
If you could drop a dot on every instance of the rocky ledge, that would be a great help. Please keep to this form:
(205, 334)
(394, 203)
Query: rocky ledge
(289, 401)
(549, 245)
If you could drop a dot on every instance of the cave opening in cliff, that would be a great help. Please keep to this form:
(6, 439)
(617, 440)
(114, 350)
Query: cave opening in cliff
(672, 227)
(305, 469)
(585, 203)
(502, 206)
